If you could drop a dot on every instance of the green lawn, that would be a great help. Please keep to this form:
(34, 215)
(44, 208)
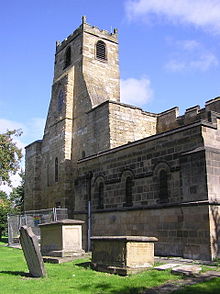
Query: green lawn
(210, 287)
(72, 277)
(77, 277)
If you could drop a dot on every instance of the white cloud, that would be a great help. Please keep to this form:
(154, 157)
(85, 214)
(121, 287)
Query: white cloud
(200, 13)
(136, 91)
(190, 55)
(189, 45)
(6, 124)
(32, 130)
(15, 181)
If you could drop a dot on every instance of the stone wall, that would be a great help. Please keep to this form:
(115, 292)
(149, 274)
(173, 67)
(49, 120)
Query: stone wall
(143, 161)
(181, 223)
(214, 220)
(101, 76)
(33, 195)
(181, 230)
(128, 123)
(134, 166)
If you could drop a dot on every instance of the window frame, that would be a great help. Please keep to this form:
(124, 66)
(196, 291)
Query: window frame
(56, 170)
(68, 57)
(101, 55)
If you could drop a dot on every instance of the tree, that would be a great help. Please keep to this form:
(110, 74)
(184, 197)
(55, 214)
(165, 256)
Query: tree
(17, 195)
(10, 155)
(5, 208)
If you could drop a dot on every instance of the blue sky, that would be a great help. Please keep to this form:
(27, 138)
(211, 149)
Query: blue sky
(169, 53)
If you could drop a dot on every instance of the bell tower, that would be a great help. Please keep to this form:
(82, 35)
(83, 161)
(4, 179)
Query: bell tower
(86, 74)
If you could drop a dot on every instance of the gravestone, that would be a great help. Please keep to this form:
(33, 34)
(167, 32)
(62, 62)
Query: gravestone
(30, 247)
(62, 238)
(122, 255)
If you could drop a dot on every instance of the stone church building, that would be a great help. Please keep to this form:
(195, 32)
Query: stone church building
(123, 170)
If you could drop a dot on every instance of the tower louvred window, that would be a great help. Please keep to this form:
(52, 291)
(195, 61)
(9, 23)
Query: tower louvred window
(101, 50)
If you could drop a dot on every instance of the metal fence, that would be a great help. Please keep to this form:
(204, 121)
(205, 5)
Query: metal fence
(32, 219)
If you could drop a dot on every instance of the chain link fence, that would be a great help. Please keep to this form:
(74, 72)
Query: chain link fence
(32, 219)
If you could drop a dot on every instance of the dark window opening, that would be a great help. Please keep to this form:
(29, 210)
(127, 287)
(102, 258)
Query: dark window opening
(58, 204)
(67, 57)
(83, 154)
(163, 184)
(101, 196)
(101, 50)
(128, 191)
(48, 175)
(56, 170)
(60, 101)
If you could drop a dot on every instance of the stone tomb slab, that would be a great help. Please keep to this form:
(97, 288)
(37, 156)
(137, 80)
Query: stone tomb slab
(188, 270)
(167, 266)
(31, 250)
(62, 238)
(122, 255)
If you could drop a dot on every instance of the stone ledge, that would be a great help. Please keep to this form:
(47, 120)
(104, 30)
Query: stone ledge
(64, 222)
(125, 238)
(54, 259)
(119, 270)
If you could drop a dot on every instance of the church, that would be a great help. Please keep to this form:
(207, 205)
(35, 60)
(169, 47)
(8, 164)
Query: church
(123, 170)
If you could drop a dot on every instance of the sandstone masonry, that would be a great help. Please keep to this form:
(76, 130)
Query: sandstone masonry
(122, 170)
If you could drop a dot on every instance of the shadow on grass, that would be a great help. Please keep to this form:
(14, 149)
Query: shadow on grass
(209, 287)
(107, 288)
(17, 273)
(4, 240)
(84, 264)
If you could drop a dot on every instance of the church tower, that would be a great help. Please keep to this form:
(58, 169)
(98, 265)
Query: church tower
(86, 75)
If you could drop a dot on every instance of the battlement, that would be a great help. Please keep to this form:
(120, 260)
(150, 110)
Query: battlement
(85, 27)
(170, 118)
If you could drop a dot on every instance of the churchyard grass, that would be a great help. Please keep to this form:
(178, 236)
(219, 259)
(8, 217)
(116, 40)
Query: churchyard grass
(209, 287)
(77, 277)
(72, 277)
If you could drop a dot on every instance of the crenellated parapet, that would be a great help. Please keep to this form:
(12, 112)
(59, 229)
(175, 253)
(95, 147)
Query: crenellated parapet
(170, 118)
(85, 27)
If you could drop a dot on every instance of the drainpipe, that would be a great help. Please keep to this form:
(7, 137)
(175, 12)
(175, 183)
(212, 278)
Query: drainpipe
(89, 211)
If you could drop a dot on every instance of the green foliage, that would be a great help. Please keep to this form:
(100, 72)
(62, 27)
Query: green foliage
(17, 195)
(3, 195)
(10, 155)
(5, 208)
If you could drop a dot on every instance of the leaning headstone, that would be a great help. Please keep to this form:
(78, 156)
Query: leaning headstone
(30, 247)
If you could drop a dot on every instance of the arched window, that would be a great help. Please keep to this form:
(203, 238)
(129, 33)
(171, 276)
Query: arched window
(163, 185)
(56, 170)
(101, 196)
(101, 50)
(128, 191)
(60, 100)
(67, 57)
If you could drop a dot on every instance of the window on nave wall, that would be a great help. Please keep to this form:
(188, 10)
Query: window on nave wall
(56, 171)
(128, 191)
(101, 196)
(163, 185)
